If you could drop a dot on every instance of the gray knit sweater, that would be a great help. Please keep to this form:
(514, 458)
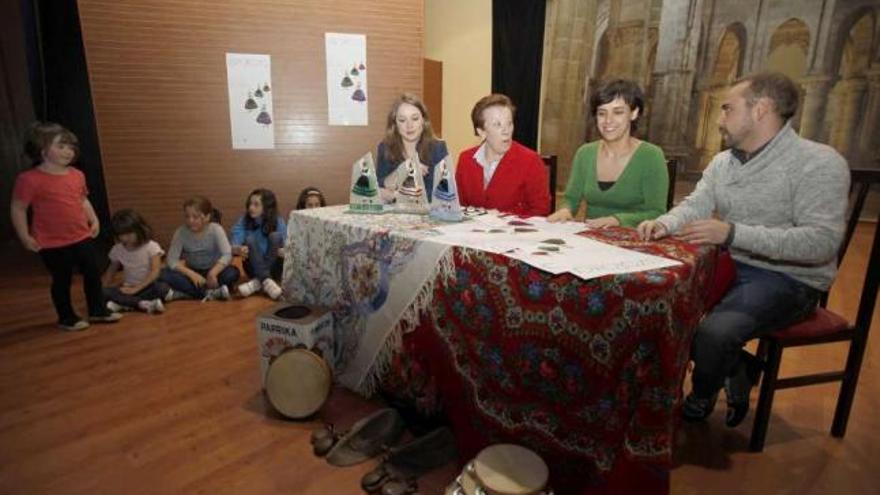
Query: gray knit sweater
(788, 205)
(201, 251)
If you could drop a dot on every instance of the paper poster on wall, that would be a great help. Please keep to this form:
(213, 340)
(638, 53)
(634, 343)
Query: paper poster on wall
(346, 78)
(250, 101)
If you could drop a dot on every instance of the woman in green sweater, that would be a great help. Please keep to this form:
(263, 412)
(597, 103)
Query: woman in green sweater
(622, 178)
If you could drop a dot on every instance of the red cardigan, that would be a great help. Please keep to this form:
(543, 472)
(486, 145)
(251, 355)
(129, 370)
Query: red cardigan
(519, 184)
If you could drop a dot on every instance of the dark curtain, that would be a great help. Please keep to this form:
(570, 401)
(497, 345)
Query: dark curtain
(16, 110)
(60, 86)
(517, 48)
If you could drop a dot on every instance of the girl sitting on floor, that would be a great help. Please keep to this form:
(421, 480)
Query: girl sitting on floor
(140, 258)
(310, 197)
(198, 259)
(258, 237)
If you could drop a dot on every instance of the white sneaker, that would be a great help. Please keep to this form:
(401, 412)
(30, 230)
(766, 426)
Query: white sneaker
(247, 289)
(152, 307)
(158, 307)
(74, 326)
(116, 307)
(176, 295)
(271, 288)
(219, 294)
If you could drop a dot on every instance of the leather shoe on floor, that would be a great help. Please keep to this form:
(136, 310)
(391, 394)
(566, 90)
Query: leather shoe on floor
(405, 463)
(696, 408)
(738, 386)
(323, 439)
(367, 438)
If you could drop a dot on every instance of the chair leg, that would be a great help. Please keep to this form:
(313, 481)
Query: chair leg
(761, 352)
(765, 399)
(848, 388)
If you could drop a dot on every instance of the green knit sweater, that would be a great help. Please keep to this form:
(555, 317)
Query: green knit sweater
(638, 194)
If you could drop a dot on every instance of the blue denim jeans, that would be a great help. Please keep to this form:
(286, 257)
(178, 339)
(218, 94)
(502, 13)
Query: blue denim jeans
(156, 290)
(261, 265)
(181, 283)
(759, 301)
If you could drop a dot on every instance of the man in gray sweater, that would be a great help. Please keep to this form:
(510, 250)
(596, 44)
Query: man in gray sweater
(778, 201)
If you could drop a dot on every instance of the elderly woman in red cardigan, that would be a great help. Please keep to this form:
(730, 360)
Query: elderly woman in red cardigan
(500, 173)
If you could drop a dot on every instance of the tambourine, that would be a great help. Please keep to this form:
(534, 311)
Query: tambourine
(298, 382)
(503, 469)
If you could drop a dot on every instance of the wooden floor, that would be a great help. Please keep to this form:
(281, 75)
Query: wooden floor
(171, 404)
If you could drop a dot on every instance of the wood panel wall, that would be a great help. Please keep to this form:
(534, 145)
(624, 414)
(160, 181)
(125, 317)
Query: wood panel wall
(158, 76)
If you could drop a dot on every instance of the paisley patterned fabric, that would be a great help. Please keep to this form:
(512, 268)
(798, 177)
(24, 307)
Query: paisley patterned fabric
(585, 372)
(373, 271)
(582, 371)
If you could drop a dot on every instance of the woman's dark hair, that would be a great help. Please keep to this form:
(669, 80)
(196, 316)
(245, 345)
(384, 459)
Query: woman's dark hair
(40, 136)
(269, 219)
(624, 89)
(128, 221)
(304, 195)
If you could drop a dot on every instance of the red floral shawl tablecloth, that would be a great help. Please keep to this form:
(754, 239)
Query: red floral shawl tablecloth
(587, 373)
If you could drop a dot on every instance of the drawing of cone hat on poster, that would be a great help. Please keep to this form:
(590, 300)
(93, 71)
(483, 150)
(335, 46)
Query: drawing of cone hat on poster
(410, 196)
(364, 196)
(444, 198)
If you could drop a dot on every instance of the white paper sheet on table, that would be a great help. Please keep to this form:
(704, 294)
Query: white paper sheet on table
(583, 257)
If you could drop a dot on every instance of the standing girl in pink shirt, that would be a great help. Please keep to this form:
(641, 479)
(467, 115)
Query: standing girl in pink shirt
(64, 223)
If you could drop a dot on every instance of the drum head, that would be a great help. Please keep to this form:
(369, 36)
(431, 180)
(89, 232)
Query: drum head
(298, 382)
(293, 312)
(510, 470)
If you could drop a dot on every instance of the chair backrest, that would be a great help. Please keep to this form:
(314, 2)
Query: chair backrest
(869, 289)
(861, 180)
(672, 172)
(550, 163)
(860, 183)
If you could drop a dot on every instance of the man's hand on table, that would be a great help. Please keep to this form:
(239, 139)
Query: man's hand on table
(651, 230)
(708, 231)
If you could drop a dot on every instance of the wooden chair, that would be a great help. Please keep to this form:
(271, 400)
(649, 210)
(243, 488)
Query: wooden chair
(824, 327)
(672, 172)
(550, 163)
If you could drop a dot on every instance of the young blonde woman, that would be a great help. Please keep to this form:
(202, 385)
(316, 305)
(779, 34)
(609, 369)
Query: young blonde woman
(408, 134)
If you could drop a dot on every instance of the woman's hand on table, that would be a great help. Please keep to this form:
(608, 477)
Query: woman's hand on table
(386, 194)
(602, 222)
(561, 215)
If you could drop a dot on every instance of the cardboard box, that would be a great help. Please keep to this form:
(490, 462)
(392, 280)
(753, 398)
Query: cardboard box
(279, 332)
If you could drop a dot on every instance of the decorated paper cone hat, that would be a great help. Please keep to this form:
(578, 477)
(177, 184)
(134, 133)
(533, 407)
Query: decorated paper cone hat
(364, 196)
(410, 196)
(444, 198)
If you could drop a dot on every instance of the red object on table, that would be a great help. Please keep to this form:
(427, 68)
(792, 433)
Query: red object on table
(587, 373)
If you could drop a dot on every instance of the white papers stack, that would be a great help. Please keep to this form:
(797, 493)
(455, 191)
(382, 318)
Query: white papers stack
(554, 248)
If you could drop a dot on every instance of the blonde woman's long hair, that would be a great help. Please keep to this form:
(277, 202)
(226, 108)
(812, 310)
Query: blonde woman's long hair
(394, 151)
